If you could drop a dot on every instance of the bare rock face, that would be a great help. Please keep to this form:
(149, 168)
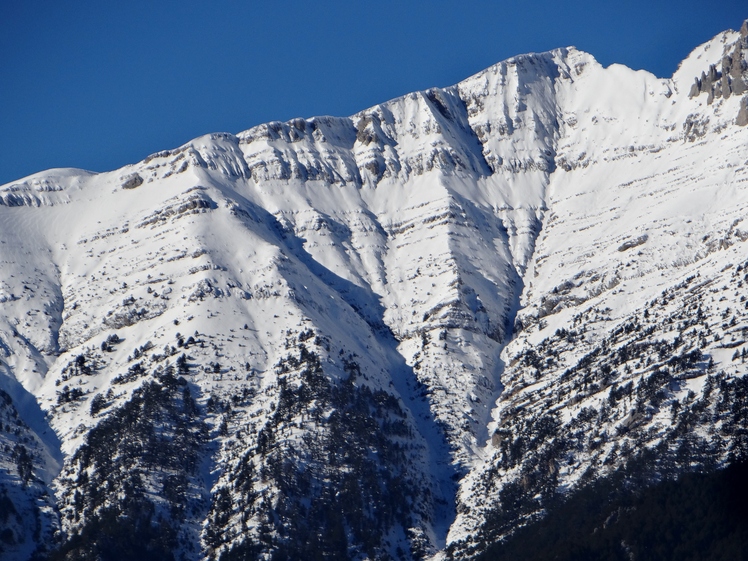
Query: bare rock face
(729, 79)
(742, 119)
(132, 181)
(695, 88)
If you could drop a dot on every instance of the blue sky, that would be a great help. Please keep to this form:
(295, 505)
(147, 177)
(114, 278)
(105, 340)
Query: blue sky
(97, 85)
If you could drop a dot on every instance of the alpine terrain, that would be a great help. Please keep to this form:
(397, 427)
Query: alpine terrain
(406, 334)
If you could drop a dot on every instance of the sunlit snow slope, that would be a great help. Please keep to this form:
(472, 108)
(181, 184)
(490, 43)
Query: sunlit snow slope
(294, 339)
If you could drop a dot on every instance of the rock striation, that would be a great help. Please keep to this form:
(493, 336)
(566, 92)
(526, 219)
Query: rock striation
(396, 335)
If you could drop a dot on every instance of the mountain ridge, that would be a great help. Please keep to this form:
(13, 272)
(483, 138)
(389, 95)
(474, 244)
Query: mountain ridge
(281, 300)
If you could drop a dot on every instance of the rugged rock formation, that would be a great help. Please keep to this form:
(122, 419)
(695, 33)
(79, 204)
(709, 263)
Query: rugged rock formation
(395, 335)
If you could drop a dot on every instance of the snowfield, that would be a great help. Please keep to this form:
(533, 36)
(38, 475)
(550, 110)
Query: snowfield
(391, 335)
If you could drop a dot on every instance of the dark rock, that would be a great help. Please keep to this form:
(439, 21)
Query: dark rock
(132, 181)
(742, 119)
(695, 91)
(366, 131)
(725, 85)
(713, 74)
(737, 67)
(633, 243)
(739, 87)
(704, 83)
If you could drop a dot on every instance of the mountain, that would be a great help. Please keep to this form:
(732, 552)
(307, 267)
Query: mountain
(404, 334)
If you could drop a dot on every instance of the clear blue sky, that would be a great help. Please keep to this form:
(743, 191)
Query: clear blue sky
(100, 84)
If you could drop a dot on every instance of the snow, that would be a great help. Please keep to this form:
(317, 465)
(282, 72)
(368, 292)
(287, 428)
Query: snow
(410, 234)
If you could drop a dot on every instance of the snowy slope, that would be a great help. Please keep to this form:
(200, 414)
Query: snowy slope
(637, 266)
(300, 337)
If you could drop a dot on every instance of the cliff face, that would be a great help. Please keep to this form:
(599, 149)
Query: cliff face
(385, 335)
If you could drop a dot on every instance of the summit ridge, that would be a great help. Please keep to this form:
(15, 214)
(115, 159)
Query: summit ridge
(394, 335)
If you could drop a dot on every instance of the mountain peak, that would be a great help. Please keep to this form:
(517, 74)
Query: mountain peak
(395, 334)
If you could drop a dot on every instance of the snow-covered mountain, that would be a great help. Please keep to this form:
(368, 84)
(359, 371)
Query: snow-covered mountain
(389, 336)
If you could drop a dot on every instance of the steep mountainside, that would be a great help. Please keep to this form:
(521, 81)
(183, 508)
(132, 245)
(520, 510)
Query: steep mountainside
(390, 336)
